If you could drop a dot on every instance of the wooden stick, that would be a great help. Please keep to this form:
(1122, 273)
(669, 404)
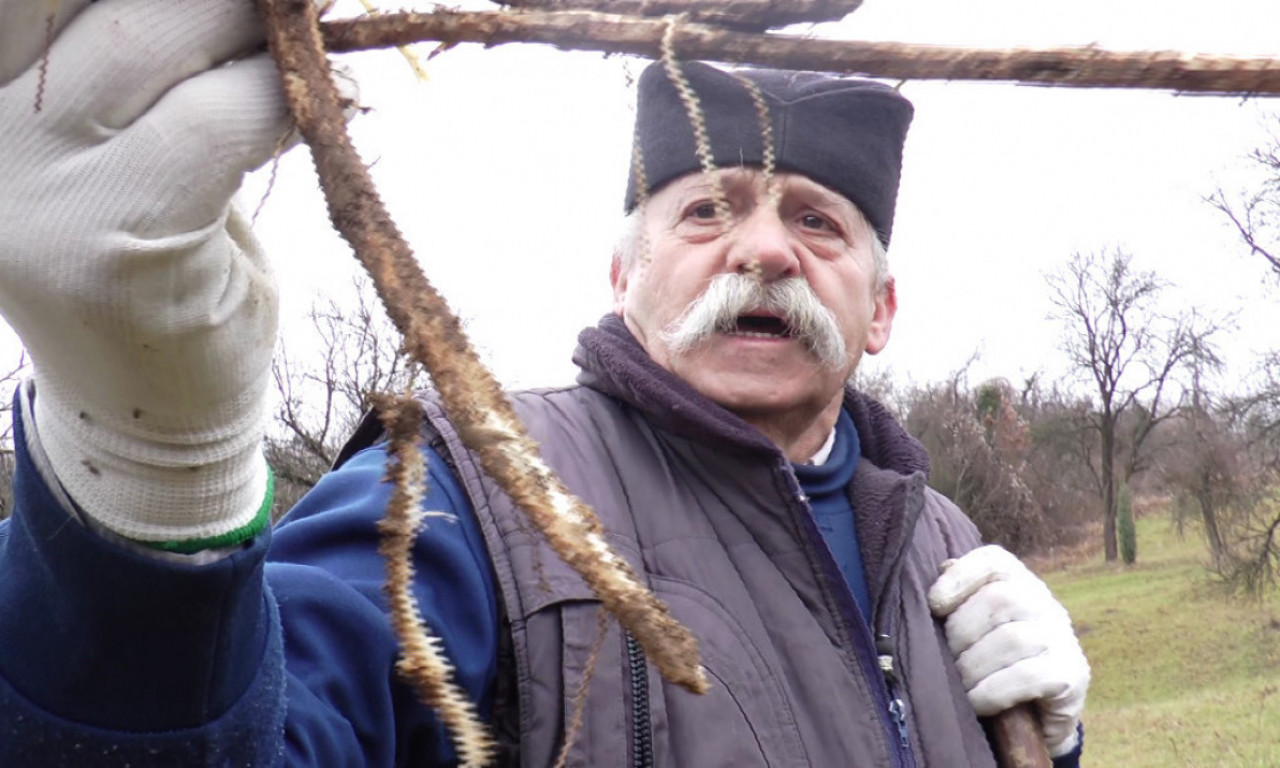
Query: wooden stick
(1086, 67)
(1018, 740)
(744, 15)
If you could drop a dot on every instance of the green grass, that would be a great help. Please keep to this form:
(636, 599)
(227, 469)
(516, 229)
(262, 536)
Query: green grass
(1182, 675)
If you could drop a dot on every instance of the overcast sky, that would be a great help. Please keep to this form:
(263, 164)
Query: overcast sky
(506, 171)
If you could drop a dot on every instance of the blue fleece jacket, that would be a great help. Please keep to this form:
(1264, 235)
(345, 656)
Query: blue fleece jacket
(110, 657)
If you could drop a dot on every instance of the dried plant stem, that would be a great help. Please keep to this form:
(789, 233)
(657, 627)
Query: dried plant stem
(642, 194)
(767, 158)
(737, 14)
(281, 144)
(476, 405)
(587, 30)
(50, 24)
(423, 661)
(405, 51)
(768, 154)
(578, 706)
(697, 120)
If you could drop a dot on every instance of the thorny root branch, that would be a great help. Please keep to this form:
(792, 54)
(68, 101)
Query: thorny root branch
(1087, 66)
(433, 336)
(697, 120)
(423, 661)
(752, 15)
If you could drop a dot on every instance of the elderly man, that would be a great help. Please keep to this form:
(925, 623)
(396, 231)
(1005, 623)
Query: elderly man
(150, 618)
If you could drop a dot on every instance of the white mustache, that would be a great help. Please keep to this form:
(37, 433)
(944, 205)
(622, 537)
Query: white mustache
(731, 295)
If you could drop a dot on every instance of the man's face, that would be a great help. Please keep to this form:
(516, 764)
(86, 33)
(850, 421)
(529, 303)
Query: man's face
(756, 364)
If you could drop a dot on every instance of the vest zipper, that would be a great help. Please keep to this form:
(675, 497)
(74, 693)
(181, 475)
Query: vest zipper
(897, 707)
(892, 709)
(641, 725)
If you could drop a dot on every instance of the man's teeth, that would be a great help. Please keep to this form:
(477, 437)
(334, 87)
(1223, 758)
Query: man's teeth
(756, 335)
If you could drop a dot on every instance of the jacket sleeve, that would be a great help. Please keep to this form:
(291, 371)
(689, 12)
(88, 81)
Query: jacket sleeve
(327, 575)
(1072, 758)
(277, 655)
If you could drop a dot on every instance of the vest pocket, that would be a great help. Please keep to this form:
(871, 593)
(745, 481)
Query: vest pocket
(600, 737)
(746, 719)
(631, 718)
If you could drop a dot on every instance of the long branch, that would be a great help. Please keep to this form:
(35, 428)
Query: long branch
(591, 31)
(743, 15)
(1246, 227)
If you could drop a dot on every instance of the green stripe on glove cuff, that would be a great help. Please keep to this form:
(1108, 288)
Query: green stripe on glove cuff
(231, 538)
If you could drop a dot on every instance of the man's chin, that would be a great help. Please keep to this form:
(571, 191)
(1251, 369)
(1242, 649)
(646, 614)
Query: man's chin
(758, 389)
(756, 356)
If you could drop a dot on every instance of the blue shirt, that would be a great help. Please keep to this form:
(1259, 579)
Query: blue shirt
(827, 486)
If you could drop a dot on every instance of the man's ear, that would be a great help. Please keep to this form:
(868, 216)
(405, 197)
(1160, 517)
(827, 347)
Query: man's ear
(618, 278)
(886, 307)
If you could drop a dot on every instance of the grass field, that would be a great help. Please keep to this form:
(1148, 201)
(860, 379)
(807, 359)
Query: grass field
(1182, 676)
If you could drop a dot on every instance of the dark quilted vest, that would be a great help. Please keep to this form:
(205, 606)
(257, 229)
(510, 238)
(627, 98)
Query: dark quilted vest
(710, 514)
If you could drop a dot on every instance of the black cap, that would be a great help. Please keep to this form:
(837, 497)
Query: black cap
(844, 133)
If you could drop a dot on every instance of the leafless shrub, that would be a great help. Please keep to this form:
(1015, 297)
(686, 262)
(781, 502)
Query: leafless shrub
(9, 382)
(324, 385)
(977, 447)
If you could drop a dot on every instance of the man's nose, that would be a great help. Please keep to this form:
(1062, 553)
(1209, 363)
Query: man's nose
(763, 245)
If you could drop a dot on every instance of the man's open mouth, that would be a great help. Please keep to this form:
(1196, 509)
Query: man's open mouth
(761, 327)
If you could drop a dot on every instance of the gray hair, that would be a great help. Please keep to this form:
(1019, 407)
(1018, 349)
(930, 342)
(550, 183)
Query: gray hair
(631, 246)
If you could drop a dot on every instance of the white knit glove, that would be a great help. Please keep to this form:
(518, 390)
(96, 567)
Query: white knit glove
(1013, 642)
(142, 297)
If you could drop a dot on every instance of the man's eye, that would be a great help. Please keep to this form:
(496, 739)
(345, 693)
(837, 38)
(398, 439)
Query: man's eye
(704, 211)
(813, 221)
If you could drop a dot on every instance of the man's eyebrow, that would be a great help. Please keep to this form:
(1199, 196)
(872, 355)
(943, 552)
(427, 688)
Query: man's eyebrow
(703, 184)
(701, 188)
(820, 195)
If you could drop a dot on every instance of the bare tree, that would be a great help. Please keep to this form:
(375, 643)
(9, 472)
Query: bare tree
(1130, 354)
(324, 383)
(1251, 531)
(1253, 558)
(1250, 527)
(1256, 215)
(1262, 405)
(1256, 218)
(1208, 474)
(1059, 467)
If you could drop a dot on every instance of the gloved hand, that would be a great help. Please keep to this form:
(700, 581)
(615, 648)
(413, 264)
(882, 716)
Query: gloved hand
(1013, 642)
(140, 293)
